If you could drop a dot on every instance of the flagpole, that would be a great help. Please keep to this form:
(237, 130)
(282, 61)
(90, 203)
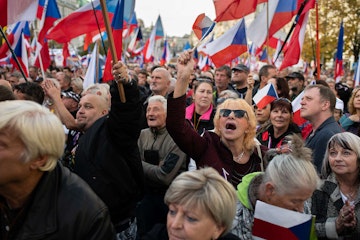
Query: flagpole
(112, 46)
(98, 26)
(317, 41)
(13, 54)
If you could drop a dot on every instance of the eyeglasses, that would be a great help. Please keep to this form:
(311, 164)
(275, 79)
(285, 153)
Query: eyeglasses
(237, 113)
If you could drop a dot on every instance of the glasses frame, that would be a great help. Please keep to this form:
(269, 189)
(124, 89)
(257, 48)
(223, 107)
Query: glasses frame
(237, 113)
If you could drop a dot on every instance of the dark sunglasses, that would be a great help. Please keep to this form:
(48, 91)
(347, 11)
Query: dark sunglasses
(237, 113)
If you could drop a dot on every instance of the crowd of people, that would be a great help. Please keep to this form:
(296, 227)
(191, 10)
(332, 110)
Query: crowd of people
(186, 156)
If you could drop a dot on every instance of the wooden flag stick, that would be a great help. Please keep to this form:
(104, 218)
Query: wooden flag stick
(112, 45)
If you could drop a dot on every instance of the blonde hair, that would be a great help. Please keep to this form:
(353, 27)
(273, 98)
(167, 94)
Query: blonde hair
(100, 89)
(351, 107)
(41, 131)
(248, 142)
(207, 190)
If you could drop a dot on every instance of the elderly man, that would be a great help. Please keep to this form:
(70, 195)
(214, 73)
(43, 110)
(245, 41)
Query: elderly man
(39, 198)
(162, 161)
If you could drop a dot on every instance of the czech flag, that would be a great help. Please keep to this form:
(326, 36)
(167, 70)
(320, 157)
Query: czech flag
(293, 51)
(230, 45)
(13, 37)
(21, 54)
(339, 55)
(275, 223)
(166, 56)
(52, 14)
(93, 72)
(15, 11)
(81, 21)
(265, 96)
(202, 26)
(234, 9)
(40, 9)
(117, 30)
(156, 33)
(42, 51)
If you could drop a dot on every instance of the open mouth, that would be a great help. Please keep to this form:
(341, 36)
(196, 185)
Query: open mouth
(230, 126)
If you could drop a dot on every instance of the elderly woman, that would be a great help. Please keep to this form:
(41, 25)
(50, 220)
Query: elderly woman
(289, 180)
(281, 124)
(336, 203)
(351, 122)
(201, 112)
(230, 148)
(201, 206)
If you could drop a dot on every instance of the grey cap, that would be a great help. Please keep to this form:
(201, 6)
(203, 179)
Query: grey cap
(241, 67)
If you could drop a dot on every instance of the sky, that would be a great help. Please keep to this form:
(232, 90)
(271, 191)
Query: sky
(177, 16)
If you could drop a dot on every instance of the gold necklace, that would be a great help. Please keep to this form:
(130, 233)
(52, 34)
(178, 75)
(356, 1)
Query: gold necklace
(239, 157)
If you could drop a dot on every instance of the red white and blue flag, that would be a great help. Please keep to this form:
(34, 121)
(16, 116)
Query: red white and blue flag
(42, 52)
(166, 56)
(265, 95)
(294, 47)
(85, 21)
(117, 30)
(136, 38)
(234, 9)
(339, 71)
(93, 72)
(230, 45)
(275, 223)
(20, 51)
(52, 14)
(13, 37)
(202, 26)
(156, 33)
(15, 11)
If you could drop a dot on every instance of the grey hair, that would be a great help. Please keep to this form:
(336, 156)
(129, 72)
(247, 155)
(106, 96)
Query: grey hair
(205, 189)
(346, 140)
(292, 171)
(159, 98)
(40, 130)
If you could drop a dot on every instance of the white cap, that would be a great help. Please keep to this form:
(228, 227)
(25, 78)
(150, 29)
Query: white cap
(339, 104)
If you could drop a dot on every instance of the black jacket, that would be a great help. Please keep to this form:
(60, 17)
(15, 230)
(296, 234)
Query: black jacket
(108, 158)
(64, 207)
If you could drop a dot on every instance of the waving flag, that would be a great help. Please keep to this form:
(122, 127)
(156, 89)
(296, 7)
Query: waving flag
(13, 37)
(117, 29)
(166, 56)
(234, 9)
(156, 33)
(93, 73)
(339, 55)
(51, 15)
(137, 37)
(40, 9)
(277, 62)
(293, 51)
(15, 11)
(21, 54)
(202, 26)
(265, 96)
(229, 46)
(263, 55)
(85, 20)
(130, 27)
(42, 52)
(275, 223)
(66, 53)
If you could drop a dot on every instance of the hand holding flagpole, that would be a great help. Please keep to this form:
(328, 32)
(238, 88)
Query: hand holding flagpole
(112, 46)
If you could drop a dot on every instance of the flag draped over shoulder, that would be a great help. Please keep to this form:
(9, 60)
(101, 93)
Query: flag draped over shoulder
(117, 30)
(13, 11)
(84, 21)
(234, 9)
(228, 46)
(339, 55)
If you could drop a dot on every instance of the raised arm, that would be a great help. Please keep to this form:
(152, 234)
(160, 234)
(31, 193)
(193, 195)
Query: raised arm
(185, 66)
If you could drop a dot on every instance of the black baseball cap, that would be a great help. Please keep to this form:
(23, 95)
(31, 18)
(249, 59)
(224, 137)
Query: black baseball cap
(297, 75)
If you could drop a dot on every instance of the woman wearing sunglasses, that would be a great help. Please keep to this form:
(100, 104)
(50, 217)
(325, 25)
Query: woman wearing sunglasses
(231, 148)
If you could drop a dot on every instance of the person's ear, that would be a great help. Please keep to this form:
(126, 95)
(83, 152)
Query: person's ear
(269, 191)
(38, 162)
